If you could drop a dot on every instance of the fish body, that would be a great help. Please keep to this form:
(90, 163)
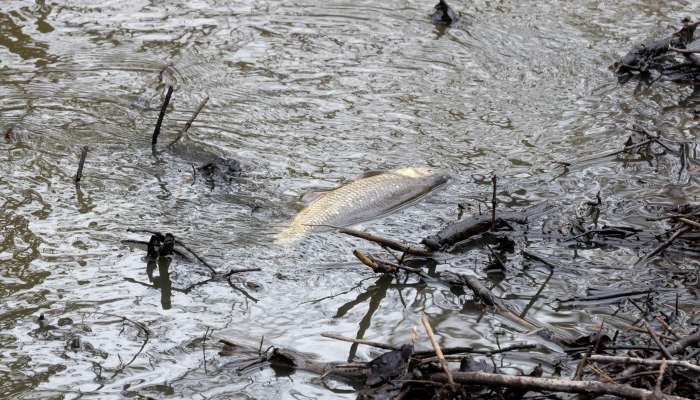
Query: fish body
(364, 199)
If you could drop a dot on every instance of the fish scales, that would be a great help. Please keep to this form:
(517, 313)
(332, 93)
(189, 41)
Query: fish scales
(364, 199)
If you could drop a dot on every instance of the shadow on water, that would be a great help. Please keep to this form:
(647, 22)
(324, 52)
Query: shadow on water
(373, 294)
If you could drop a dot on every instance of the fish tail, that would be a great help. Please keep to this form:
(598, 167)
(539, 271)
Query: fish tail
(289, 235)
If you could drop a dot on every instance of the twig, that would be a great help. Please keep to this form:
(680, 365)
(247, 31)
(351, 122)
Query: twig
(200, 259)
(689, 222)
(677, 347)
(246, 294)
(645, 361)
(384, 267)
(141, 326)
(183, 132)
(493, 204)
(602, 374)
(436, 347)
(684, 51)
(616, 152)
(626, 293)
(539, 258)
(81, 163)
(390, 243)
(156, 132)
(665, 244)
(549, 384)
(204, 353)
(667, 327)
(458, 353)
(657, 389)
(580, 367)
(359, 341)
(656, 339)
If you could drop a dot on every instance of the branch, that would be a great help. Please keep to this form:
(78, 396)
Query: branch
(390, 243)
(644, 361)
(550, 384)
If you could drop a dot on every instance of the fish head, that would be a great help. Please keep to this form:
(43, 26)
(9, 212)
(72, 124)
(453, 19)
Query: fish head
(431, 177)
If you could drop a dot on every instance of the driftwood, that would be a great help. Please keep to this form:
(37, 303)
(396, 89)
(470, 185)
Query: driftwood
(362, 372)
(468, 227)
(550, 384)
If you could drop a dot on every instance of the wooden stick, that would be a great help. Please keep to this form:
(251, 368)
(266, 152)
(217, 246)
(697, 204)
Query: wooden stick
(677, 347)
(667, 327)
(658, 394)
(656, 339)
(156, 132)
(684, 51)
(550, 384)
(377, 266)
(645, 361)
(183, 132)
(81, 163)
(436, 347)
(493, 204)
(390, 243)
(580, 367)
(384, 267)
(690, 222)
(359, 341)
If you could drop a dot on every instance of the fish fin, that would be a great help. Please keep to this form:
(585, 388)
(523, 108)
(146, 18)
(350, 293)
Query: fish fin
(369, 174)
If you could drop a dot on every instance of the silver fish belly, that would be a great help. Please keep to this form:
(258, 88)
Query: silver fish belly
(364, 199)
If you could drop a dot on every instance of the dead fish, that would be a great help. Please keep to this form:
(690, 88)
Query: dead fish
(364, 199)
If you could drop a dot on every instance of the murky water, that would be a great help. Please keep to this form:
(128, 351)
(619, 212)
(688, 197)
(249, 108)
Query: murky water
(306, 95)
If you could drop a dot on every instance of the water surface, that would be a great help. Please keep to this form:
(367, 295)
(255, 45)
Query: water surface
(306, 96)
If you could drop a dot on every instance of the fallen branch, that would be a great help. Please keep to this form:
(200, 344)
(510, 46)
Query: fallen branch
(644, 361)
(390, 243)
(549, 384)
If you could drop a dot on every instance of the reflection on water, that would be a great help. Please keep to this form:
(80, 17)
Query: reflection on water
(307, 95)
